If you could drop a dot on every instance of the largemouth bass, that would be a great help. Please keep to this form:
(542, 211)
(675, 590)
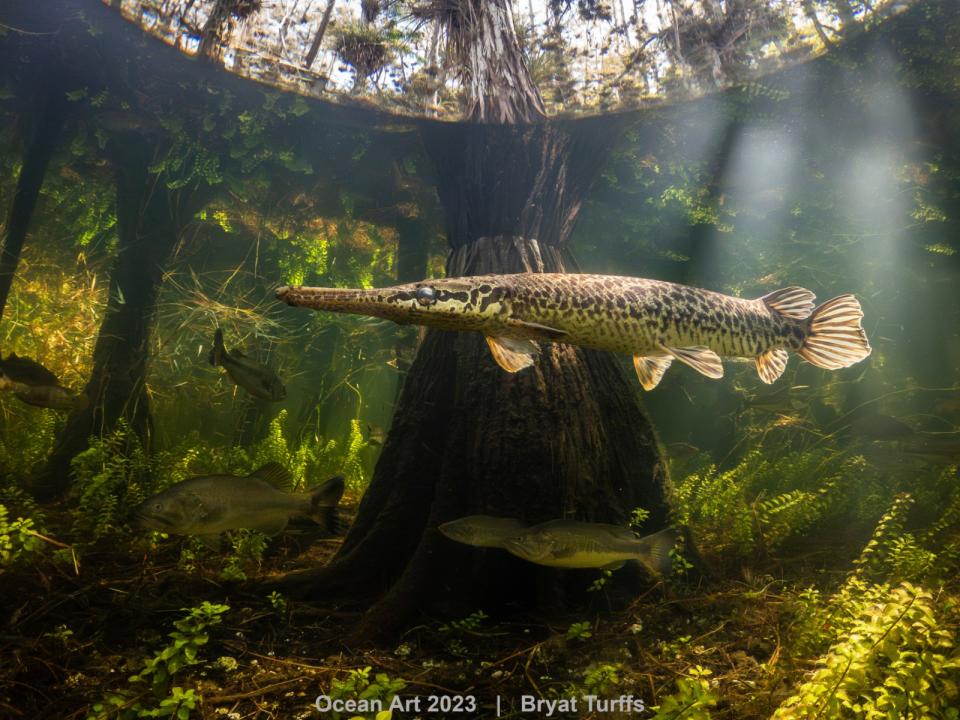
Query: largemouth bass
(211, 504)
(483, 530)
(254, 377)
(573, 544)
(656, 322)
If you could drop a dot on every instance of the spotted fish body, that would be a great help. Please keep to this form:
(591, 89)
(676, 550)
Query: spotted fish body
(654, 321)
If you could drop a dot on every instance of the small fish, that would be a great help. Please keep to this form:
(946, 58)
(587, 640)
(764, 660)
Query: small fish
(872, 425)
(125, 121)
(483, 530)
(947, 406)
(375, 435)
(53, 397)
(211, 504)
(254, 377)
(941, 449)
(32, 383)
(656, 322)
(574, 544)
(786, 399)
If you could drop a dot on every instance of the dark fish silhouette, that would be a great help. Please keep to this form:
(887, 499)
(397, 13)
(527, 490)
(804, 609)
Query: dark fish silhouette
(254, 377)
(32, 383)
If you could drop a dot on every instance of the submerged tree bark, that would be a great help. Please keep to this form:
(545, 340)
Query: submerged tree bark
(45, 131)
(566, 438)
(117, 389)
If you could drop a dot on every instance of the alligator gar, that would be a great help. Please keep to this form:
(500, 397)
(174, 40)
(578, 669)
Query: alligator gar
(656, 322)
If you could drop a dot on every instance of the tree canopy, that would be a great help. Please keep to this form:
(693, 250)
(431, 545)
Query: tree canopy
(586, 56)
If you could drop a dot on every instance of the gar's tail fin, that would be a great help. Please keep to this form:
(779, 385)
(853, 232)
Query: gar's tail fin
(218, 350)
(654, 553)
(323, 504)
(835, 338)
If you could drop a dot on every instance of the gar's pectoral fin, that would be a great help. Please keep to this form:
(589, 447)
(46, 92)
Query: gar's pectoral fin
(513, 354)
(701, 358)
(771, 364)
(650, 370)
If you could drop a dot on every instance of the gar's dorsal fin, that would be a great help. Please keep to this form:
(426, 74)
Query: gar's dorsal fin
(701, 358)
(513, 354)
(771, 364)
(273, 474)
(650, 370)
(793, 302)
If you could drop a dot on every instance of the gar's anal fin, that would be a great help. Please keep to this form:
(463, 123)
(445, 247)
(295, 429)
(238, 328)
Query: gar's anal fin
(701, 358)
(650, 370)
(771, 364)
(513, 354)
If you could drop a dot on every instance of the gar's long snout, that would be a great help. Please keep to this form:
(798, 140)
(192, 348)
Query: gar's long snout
(347, 300)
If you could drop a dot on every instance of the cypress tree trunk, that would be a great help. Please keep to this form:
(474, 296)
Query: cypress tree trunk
(117, 386)
(565, 438)
(46, 124)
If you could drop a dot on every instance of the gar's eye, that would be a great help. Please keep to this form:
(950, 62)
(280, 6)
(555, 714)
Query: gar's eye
(158, 507)
(426, 295)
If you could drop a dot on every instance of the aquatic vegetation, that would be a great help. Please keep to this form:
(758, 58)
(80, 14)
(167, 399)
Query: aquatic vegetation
(601, 678)
(111, 477)
(278, 602)
(760, 502)
(472, 622)
(358, 685)
(692, 700)
(18, 539)
(579, 631)
(878, 552)
(160, 671)
(895, 658)
(248, 547)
